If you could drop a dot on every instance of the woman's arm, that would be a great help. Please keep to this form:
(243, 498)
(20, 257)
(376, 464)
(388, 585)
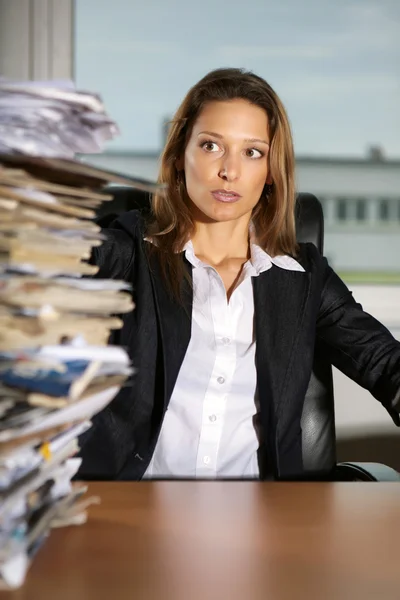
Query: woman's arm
(357, 343)
(106, 445)
(116, 254)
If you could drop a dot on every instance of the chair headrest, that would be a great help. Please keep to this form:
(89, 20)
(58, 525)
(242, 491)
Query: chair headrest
(309, 220)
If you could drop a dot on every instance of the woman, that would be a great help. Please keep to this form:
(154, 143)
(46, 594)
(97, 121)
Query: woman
(228, 305)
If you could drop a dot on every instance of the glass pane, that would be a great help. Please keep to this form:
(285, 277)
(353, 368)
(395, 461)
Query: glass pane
(361, 210)
(322, 58)
(341, 209)
(384, 210)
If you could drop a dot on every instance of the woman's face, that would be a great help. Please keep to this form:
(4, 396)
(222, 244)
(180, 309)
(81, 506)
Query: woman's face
(226, 160)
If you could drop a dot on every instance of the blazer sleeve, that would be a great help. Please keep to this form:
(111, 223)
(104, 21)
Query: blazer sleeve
(105, 446)
(115, 256)
(357, 343)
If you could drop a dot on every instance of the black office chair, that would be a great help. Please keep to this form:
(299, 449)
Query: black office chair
(318, 419)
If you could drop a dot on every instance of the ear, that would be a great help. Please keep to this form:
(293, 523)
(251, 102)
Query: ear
(269, 180)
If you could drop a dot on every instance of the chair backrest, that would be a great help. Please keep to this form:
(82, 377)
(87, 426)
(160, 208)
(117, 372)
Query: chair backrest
(318, 419)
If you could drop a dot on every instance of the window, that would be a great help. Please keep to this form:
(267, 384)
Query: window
(151, 53)
(341, 209)
(361, 209)
(384, 210)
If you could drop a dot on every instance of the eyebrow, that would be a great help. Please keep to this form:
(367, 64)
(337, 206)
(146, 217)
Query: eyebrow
(221, 137)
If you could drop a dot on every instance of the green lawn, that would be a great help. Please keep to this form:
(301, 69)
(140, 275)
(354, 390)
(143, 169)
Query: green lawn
(370, 277)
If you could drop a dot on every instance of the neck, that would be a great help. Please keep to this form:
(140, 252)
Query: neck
(220, 242)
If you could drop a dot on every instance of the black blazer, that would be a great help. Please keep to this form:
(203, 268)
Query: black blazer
(296, 314)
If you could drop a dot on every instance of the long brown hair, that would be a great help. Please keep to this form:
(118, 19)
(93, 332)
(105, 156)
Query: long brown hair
(273, 217)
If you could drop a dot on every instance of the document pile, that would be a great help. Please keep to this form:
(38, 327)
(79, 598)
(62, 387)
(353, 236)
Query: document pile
(56, 370)
(51, 119)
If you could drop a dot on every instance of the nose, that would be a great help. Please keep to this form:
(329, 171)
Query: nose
(230, 168)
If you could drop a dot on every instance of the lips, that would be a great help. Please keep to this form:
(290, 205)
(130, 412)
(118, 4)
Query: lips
(226, 196)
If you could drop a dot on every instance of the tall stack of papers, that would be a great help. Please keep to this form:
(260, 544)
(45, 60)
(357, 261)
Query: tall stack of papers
(56, 369)
(45, 232)
(51, 119)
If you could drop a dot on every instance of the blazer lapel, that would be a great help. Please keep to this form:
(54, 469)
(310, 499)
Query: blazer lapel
(174, 321)
(280, 298)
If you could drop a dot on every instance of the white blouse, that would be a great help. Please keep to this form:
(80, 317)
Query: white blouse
(211, 427)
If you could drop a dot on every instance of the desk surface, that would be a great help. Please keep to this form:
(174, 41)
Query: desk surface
(226, 541)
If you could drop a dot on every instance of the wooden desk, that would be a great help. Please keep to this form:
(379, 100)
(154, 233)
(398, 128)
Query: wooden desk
(226, 541)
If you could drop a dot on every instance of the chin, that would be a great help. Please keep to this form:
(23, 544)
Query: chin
(223, 214)
(217, 213)
(227, 216)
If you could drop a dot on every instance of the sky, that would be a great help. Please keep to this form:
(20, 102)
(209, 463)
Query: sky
(334, 63)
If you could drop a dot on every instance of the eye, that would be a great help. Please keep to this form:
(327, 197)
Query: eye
(209, 146)
(254, 153)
